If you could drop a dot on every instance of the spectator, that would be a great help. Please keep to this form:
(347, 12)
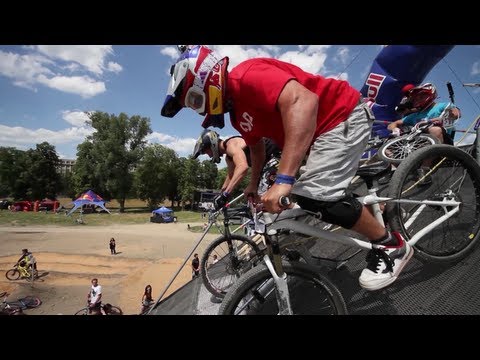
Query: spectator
(112, 246)
(147, 298)
(195, 266)
(94, 299)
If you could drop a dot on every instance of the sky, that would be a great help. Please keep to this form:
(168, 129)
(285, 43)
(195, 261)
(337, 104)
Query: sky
(46, 90)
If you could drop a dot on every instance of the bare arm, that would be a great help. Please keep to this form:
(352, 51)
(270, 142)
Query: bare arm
(257, 156)
(240, 168)
(395, 124)
(230, 168)
(298, 107)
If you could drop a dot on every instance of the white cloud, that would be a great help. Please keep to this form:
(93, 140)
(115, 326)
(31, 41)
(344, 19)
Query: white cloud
(92, 57)
(23, 69)
(114, 67)
(21, 137)
(76, 118)
(239, 53)
(183, 147)
(343, 54)
(311, 58)
(342, 76)
(312, 62)
(32, 69)
(170, 51)
(475, 68)
(82, 85)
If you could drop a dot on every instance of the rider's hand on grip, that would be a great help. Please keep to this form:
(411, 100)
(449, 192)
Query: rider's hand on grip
(221, 200)
(284, 201)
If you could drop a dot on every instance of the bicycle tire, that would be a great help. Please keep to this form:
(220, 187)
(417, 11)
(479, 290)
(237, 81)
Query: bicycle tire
(83, 311)
(226, 268)
(30, 302)
(253, 283)
(398, 149)
(114, 310)
(12, 274)
(456, 175)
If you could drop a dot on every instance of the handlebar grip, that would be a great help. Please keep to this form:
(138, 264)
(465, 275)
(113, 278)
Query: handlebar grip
(450, 91)
(284, 201)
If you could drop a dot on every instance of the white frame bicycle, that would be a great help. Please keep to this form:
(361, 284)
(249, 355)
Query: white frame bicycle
(268, 285)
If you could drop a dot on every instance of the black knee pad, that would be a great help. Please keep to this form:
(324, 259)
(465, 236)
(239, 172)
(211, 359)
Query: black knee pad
(344, 212)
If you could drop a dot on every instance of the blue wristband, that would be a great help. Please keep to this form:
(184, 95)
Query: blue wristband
(226, 194)
(285, 179)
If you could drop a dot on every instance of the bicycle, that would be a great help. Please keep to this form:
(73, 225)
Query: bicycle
(17, 307)
(109, 309)
(439, 220)
(24, 272)
(233, 252)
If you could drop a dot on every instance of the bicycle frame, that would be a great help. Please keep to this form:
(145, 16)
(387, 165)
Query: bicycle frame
(288, 220)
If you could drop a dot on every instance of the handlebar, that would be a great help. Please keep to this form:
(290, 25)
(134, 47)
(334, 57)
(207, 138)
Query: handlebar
(450, 91)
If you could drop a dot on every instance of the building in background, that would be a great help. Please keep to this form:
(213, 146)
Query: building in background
(66, 165)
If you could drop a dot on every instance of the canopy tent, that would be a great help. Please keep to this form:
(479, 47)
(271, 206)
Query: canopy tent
(163, 215)
(162, 210)
(88, 197)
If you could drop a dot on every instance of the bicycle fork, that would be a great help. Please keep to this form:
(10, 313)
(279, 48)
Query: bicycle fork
(278, 275)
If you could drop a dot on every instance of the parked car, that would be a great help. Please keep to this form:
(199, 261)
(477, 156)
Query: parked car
(4, 204)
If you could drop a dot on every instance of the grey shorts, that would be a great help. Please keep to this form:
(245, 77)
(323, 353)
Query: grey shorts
(334, 157)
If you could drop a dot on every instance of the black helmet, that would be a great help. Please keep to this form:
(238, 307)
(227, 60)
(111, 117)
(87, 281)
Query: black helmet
(208, 139)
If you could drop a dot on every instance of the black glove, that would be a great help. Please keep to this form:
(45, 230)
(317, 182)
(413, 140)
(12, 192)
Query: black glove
(220, 201)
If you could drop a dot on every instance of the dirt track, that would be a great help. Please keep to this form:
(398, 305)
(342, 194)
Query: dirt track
(68, 257)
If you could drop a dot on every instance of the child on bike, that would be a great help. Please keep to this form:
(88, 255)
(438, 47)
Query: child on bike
(27, 259)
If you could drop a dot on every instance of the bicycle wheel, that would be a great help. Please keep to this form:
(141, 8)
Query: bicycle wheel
(455, 176)
(234, 254)
(114, 310)
(12, 274)
(398, 149)
(30, 302)
(311, 293)
(83, 311)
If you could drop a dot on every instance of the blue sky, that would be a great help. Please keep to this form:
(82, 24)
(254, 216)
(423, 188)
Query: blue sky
(45, 89)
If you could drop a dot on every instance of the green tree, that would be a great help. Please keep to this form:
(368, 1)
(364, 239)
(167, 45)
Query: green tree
(12, 173)
(208, 175)
(83, 172)
(189, 179)
(117, 146)
(156, 174)
(42, 163)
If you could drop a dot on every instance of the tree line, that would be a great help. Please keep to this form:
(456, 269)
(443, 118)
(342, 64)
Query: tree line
(115, 161)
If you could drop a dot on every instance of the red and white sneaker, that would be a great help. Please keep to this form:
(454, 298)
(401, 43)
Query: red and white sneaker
(385, 264)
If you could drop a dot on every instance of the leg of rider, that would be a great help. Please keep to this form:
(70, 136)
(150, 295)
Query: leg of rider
(436, 131)
(330, 167)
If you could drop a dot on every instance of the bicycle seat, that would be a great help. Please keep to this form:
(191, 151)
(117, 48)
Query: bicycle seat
(373, 169)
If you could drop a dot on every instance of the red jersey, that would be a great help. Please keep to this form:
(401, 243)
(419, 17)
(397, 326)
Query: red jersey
(255, 85)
